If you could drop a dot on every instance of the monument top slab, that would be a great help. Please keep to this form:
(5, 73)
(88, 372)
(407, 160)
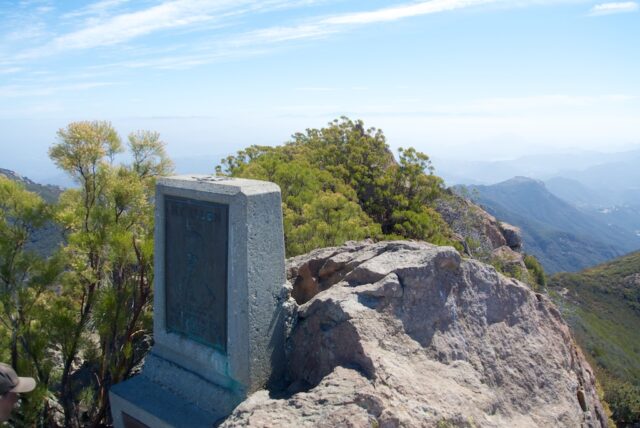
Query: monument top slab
(218, 184)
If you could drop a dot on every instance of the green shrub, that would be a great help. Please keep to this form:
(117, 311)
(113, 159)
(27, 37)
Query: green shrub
(342, 183)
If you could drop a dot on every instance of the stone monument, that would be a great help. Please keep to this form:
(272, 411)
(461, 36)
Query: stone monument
(218, 323)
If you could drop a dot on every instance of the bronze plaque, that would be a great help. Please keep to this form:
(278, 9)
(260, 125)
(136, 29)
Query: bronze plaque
(196, 252)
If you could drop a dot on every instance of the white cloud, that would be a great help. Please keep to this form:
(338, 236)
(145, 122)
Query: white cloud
(557, 102)
(109, 25)
(9, 70)
(480, 109)
(105, 29)
(98, 8)
(123, 27)
(404, 11)
(18, 91)
(322, 27)
(316, 89)
(613, 8)
(126, 26)
(283, 34)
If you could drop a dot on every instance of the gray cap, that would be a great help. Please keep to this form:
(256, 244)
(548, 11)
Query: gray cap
(11, 382)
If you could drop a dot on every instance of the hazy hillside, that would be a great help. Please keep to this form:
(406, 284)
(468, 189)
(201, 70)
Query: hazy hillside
(46, 239)
(602, 305)
(576, 193)
(619, 179)
(618, 208)
(48, 192)
(561, 236)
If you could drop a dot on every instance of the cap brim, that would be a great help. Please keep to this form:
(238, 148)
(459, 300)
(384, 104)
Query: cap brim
(25, 384)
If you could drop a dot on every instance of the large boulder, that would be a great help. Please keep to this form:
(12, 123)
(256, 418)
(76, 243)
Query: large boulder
(410, 334)
(512, 234)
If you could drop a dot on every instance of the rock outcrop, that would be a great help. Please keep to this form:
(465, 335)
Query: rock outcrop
(480, 232)
(410, 334)
(512, 235)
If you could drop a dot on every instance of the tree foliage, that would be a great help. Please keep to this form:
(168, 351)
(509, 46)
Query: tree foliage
(81, 321)
(342, 183)
(105, 304)
(25, 278)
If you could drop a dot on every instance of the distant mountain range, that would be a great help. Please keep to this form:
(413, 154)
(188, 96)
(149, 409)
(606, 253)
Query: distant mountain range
(562, 236)
(595, 167)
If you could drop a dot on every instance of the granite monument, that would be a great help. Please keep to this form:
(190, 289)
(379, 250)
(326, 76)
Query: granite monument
(218, 326)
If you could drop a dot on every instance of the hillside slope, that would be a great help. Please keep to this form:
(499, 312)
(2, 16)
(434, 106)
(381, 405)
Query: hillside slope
(47, 238)
(47, 192)
(562, 237)
(602, 305)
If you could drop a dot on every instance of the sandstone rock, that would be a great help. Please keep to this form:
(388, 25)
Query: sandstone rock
(409, 334)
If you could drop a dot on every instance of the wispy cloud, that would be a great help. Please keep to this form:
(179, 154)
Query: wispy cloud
(321, 27)
(126, 26)
(11, 91)
(484, 108)
(316, 89)
(119, 27)
(263, 40)
(10, 70)
(543, 101)
(103, 29)
(98, 8)
(404, 11)
(106, 23)
(614, 8)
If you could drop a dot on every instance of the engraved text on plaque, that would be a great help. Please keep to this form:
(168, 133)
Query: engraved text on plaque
(196, 236)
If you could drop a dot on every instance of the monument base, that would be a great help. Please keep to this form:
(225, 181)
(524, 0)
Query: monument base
(166, 395)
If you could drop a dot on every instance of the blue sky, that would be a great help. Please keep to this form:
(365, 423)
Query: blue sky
(460, 79)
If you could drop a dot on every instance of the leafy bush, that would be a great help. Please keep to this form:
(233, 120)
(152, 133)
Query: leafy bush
(624, 401)
(342, 183)
(536, 270)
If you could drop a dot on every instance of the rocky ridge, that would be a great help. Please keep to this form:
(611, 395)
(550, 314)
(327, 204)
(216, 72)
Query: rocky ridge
(48, 192)
(410, 334)
(479, 232)
(483, 237)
